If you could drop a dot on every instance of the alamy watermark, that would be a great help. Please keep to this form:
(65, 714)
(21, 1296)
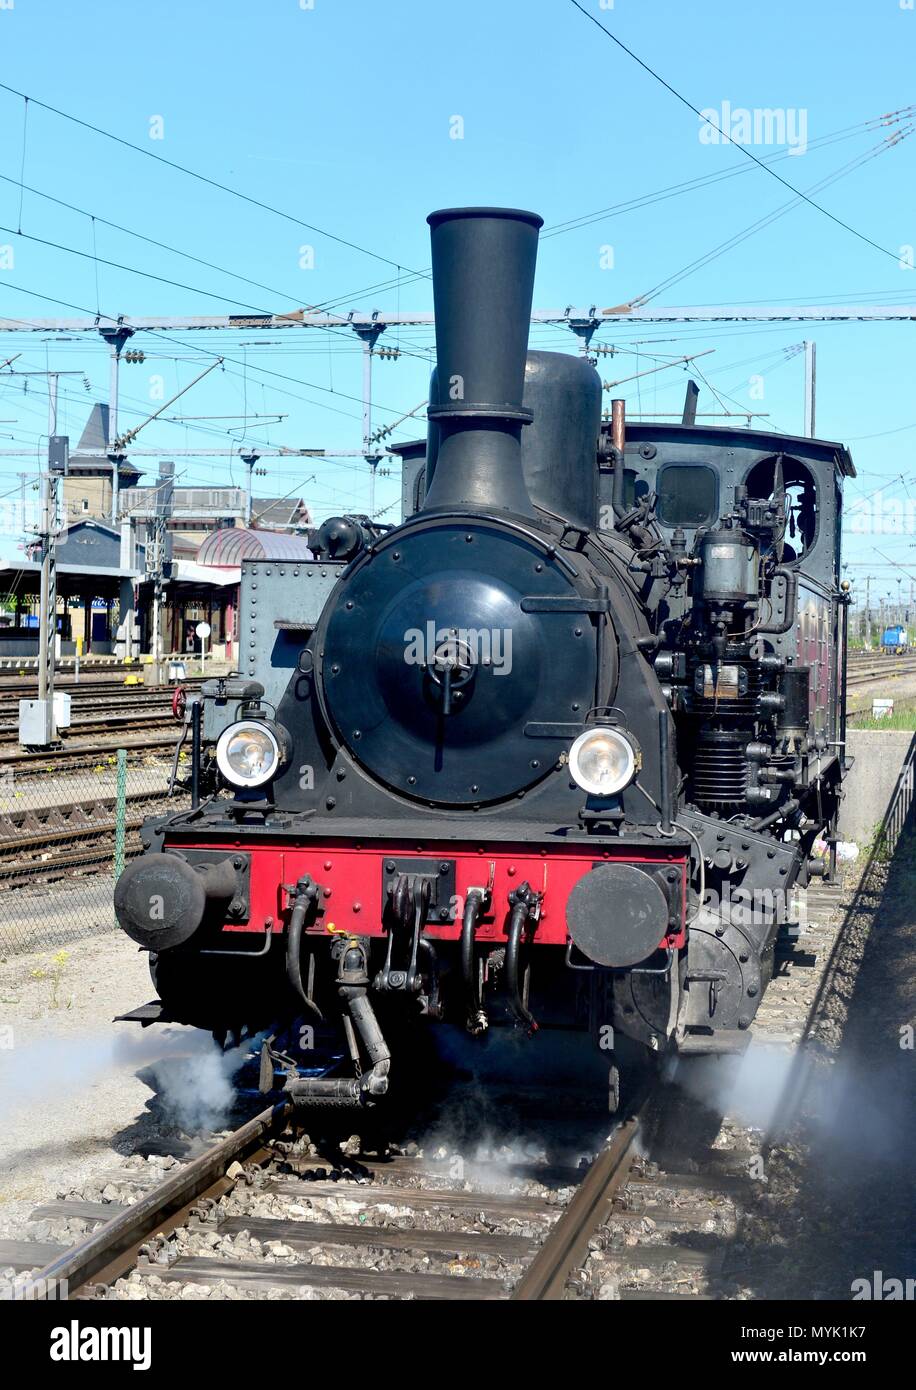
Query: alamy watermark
(459, 648)
(878, 515)
(758, 125)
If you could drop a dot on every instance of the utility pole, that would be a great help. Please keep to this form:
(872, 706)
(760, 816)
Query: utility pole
(810, 387)
(47, 602)
(41, 728)
(115, 337)
(368, 335)
(158, 563)
(23, 478)
(249, 461)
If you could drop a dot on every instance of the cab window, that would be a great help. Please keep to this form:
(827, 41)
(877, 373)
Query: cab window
(687, 494)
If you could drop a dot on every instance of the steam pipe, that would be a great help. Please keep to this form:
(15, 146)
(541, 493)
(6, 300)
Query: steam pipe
(305, 899)
(522, 900)
(353, 988)
(619, 440)
(664, 773)
(477, 1019)
(787, 809)
(196, 712)
(791, 578)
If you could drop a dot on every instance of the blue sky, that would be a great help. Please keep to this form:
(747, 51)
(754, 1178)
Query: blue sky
(341, 116)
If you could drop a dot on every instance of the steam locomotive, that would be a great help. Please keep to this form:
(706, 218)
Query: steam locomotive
(553, 752)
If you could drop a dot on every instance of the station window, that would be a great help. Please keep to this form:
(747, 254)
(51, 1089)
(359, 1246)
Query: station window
(687, 494)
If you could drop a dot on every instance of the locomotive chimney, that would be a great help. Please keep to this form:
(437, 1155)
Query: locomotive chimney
(483, 279)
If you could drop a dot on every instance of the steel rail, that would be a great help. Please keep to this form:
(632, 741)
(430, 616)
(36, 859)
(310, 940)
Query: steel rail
(78, 754)
(112, 1249)
(566, 1247)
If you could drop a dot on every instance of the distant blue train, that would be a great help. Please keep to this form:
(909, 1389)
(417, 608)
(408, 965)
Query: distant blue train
(894, 641)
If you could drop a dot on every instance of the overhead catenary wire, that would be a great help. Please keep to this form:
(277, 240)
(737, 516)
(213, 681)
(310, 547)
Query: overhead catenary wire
(202, 178)
(701, 261)
(161, 335)
(718, 176)
(151, 275)
(748, 154)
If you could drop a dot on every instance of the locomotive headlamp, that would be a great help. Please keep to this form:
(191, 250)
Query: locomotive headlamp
(603, 761)
(251, 752)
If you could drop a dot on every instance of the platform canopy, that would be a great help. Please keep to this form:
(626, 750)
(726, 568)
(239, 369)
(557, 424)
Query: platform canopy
(233, 544)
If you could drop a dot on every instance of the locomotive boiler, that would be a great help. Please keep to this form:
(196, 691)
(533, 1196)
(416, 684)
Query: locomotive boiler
(553, 752)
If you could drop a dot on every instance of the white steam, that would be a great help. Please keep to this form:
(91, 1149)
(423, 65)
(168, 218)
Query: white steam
(191, 1076)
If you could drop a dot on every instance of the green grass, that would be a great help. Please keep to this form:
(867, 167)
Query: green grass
(904, 719)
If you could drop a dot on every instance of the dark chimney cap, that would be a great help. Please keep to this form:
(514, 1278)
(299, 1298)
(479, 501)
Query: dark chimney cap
(517, 214)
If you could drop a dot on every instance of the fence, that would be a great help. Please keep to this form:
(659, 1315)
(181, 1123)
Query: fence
(65, 834)
(900, 808)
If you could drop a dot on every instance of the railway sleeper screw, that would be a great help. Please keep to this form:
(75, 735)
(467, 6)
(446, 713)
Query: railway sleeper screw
(207, 1212)
(579, 1283)
(158, 1251)
(96, 1293)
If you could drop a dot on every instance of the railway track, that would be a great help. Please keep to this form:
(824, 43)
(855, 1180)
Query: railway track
(80, 755)
(655, 1214)
(44, 844)
(402, 1226)
(81, 731)
(43, 825)
(102, 693)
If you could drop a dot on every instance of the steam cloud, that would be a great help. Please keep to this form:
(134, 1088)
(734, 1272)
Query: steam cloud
(193, 1078)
